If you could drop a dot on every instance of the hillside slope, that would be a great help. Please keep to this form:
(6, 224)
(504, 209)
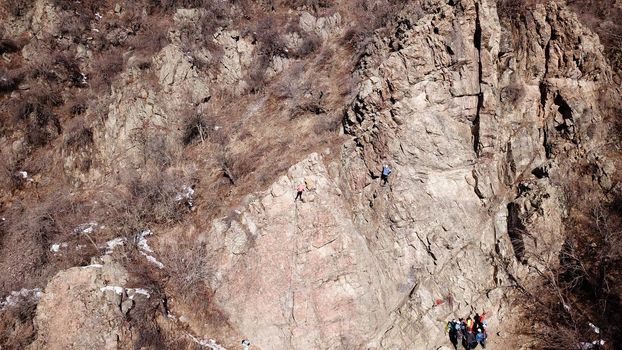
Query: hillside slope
(152, 152)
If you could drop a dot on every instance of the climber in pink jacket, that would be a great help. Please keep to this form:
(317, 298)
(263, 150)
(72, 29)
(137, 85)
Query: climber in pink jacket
(301, 188)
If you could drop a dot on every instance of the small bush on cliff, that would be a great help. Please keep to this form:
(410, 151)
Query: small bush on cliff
(584, 287)
(196, 128)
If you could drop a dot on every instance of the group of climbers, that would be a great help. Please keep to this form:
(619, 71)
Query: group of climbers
(469, 332)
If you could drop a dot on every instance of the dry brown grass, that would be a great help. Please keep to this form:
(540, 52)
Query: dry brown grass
(234, 146)
(583, 286)
(604, 18)
(16, 325)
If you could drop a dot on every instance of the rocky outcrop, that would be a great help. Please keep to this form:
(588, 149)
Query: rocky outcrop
(480, 124)
(82, 308)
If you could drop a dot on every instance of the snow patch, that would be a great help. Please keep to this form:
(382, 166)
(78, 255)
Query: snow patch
(116, 289)
(141, 291)
(131, 292)
(591, 345)
(142, 241)
(93, 266)
(16, 296)
(594, 328)
(88, 227)
(187, 193)
(113, 243)
(55, 248)
(208, 343)
(153, 260)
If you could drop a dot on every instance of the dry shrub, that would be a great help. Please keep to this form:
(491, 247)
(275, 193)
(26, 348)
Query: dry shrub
(78, 108)
(311, 43)
(327, 124)
(514, 10)
(29, 231)
(41, 125)
(107, 65)
(315, 5)
(8, 83)
(371, 16)
(513, 93)
(269, 44)
(8, 46)
(604, 17)
(79, 138)
(584, 286)
(237, 165)
(188, 266)
(170, 6)
(148, 35)
(188, 262)
(196, 128)
(144, 202)
(68, 70)
(16, 325)
(88, 7)
(18, 8)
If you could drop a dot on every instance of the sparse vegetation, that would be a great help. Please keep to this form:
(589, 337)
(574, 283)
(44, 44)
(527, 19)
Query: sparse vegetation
(196, 128)
(583, 288)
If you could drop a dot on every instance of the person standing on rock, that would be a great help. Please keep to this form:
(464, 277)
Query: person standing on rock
(385, 174)
(246, 344)
(471, 341)
(481, 338)
(460, 332)
(453, 333)
(301, 188)
(483, 321)
(469, 324)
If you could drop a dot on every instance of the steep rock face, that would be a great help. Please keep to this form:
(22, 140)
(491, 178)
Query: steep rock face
(444, 110)
(308, 277)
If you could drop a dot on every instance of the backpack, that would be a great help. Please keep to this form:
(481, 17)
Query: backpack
(386, 170)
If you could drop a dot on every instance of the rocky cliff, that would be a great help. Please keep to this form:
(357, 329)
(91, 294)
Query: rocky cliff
(485, 120)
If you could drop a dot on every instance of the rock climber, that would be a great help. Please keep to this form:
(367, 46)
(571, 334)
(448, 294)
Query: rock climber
(246, 344)
(301, 188)
(481, 338)
(385, 174)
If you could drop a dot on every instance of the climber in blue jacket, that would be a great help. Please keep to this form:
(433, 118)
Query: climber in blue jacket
(385, 174)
